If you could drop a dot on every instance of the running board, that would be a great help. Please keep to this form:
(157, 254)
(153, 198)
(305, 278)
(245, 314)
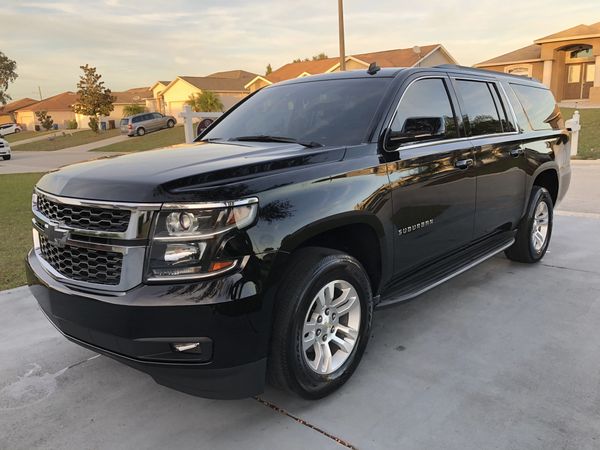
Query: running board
(412, 288)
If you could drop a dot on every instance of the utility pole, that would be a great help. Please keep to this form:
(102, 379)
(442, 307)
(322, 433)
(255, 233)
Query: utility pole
(341, 30)
(40, 92)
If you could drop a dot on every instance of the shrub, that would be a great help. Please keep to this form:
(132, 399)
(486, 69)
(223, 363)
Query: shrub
(71, 124)
(45, 120)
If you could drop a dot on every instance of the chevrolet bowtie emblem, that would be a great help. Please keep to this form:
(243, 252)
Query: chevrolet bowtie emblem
(56, 236)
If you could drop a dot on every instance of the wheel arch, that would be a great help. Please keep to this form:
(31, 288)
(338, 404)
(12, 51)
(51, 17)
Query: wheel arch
(360, 235)
(547, 176)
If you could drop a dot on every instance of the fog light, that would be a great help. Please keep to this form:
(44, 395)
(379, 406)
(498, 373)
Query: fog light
(188, 347)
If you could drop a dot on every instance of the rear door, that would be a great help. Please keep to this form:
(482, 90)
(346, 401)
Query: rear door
(500, 163)
(432, 178)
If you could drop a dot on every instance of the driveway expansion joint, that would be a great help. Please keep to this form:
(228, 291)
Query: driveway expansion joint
(303, 422)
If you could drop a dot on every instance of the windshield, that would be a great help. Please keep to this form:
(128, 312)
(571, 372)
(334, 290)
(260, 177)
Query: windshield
(328, 112)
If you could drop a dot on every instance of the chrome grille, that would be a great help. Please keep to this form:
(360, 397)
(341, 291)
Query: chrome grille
(83, 264)
(84, 217)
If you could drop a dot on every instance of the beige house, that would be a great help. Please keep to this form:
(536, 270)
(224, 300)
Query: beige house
(7, 112)
(425, 56)
(135, 96)
(229, 86)
(568, 62)
(58, 106)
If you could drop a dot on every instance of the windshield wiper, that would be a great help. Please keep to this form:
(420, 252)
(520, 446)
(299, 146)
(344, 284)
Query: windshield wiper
(267, 138)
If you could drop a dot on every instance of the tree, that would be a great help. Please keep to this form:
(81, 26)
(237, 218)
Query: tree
(45, 120)
(207, 101)
(131, 110)
(318, 57)
(95, 100)
(8, 75)
(269, 69)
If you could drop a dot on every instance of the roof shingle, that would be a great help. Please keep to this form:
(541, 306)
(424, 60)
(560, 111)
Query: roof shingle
(17, 104)
(59, 102)
(531, 52)
(401, 57)
(578, 30)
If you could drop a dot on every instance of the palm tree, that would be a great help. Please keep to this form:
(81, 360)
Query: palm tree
(133, 109)
(207, 101)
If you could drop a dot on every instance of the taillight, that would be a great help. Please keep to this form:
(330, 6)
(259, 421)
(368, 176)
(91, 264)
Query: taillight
(130, 126)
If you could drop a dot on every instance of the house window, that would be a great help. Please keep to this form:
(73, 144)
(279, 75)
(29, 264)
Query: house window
(581, 53)
(590, 72)
(574, 73)
(521, 70)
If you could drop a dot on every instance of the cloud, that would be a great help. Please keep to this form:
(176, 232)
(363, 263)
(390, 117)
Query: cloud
(137, 42)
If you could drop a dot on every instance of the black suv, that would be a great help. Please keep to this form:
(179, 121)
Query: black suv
(261, 251)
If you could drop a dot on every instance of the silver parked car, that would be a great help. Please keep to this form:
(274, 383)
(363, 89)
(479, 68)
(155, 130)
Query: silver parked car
(143, 123)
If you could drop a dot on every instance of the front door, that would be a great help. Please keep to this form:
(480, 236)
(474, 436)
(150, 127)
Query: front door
(431, 175)
(578, 80)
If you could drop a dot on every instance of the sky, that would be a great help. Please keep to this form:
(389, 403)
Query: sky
(134, 43)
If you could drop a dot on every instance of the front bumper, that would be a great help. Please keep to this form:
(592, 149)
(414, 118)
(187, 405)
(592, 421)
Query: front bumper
(139, 327)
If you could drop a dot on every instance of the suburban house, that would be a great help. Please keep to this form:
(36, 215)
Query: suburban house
(134, 96)
(229, 86)
(7, 112)
(156, 102)
(58, 106)
(425, 56)
(568, 62)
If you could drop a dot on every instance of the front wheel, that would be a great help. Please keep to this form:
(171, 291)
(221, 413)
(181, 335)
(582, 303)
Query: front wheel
(322, 322)
(535, 230)
(170, 123)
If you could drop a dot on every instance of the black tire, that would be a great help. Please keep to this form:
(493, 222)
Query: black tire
(309, 271)
(6, 157)
(140, 131)
(17, 130)
(170, 123)
(523, 250)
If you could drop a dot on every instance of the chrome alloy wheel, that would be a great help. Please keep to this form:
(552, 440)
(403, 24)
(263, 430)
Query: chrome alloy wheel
(331, 327)
(539, 231)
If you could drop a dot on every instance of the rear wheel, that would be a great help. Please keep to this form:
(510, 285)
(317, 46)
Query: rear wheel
(535, 230)
(141, 131)
(322, 322)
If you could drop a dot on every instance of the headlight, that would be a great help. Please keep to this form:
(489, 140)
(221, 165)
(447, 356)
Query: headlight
(185, 239)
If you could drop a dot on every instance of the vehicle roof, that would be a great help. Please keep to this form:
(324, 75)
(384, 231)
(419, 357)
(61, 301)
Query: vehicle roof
(391, 72)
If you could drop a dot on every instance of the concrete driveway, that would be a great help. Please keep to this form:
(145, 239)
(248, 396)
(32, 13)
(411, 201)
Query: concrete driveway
(43, 161)
(504, 356)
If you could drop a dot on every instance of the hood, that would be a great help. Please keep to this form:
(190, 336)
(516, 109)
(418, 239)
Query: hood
(179, 172)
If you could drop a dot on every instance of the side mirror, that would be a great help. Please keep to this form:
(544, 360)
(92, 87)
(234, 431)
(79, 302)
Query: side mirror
(417, 129)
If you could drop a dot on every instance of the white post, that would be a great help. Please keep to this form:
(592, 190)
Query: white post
(573, 125)
(188, 126)
(597, 72)
(547, 74)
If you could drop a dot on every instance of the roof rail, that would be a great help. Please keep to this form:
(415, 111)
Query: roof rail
(478, 70)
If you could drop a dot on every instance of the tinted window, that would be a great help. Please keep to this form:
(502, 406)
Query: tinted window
(124, 121)
(157, 116)
(426, 112)
(540, 107)
(506, 118)
(522, 120)
(136, 119)
(479, 107)
(330, 112)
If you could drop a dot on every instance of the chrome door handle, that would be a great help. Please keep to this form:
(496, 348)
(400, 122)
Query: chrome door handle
(516, 152)
(463, 163)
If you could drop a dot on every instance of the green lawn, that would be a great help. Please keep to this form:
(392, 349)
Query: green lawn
(157, 139)
(15, 137)
(66, 140)
(589, 137)
(15, 226)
